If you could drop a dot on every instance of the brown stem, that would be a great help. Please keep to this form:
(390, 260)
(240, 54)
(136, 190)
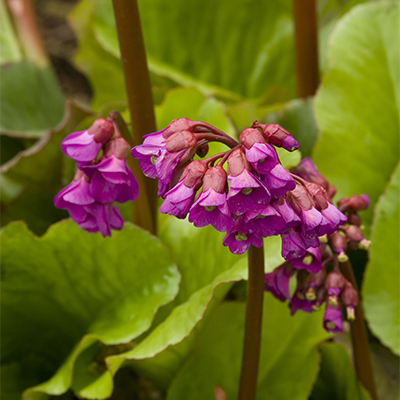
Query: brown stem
(28, 31)
(140, 102)
(359, 340)
(253, 324)
(306, 42)
(210, 137)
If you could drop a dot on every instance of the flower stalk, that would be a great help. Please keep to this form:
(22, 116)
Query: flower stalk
(140, 102)
(306, 43)
(359, 340)
(253, 324)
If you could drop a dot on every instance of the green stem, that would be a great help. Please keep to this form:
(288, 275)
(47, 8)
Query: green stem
(253, 324)
(306, 42)
(359, 340)
(140, 102)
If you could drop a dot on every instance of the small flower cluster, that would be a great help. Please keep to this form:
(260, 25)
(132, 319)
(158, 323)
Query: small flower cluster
(254, 197)
(102, 178)
(319, 278)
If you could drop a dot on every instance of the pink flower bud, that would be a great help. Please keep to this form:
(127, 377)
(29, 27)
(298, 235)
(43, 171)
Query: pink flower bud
(102, 129)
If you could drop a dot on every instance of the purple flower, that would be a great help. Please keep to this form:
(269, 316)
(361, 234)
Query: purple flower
(265, 222)
(277, 282)
(278, 181)
(101, 218)
(293, 245)
(179, 199)
(310, 262)
(84, 146)
(286, 211)
(308, 171)
(148, 152)
(111, 179)
(331, 219)
(262, 156)
(84, 210)
(247, 192)
(333, 318)
(299, 301)
(211, 207)
(239, 239)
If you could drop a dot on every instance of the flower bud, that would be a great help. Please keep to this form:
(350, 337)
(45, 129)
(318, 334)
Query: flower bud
(334, 280)
(338, 242)
(193, 174)
(118, 147)
(276, 135)
(354, 219)
(236, 163)
(354, 233)
(250, 136)
(299, 198)
(202, 150)
(179, 125)
(101, 129)
(349, 295)
(215, 177)
(318, 194)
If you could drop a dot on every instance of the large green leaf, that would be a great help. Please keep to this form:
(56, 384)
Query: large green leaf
(336, 379)
(288, 363)
(212, 44)
(357, 106)
(381, 291)
(29, 112)
(10, 50)
(66, 291)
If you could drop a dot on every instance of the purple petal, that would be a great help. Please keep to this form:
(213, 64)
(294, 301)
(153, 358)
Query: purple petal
(278, 181)
(80, 146)
(262, 157)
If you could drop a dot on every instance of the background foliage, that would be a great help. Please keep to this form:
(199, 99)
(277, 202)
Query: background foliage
(87, 316)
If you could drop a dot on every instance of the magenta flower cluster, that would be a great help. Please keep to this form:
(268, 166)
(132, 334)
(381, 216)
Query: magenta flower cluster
(101, 179)
(253, 197)
(319, 279)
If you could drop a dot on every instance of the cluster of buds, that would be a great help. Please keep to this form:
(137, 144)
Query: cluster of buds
(318, 275)
(253, 197)
(102, 177)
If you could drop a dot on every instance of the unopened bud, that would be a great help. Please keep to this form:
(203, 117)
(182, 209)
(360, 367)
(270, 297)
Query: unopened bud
(202, 150)
(102, 129)
(215, 177)
(250, 136)
(334, 280)
(118, 147)
(354, 233)
(338, 242)
(349, 295)
(193, 174)
(354, 219)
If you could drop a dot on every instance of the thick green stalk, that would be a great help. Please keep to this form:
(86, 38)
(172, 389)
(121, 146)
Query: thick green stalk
(306, 43)
(359, 340)
(140, 101)
(253, 324)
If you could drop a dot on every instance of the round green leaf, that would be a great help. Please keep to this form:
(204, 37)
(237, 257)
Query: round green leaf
(31, 101)
(288, 350)
(381, 291)
(336, 379)
(357, 105)
(65, 291)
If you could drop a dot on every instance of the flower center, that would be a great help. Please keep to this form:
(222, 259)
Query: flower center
(153, 160)
(307, 260)
(247, 191)
(333, 300)
(310, 295)
(240, 237)
(330, 325)
(209, 208)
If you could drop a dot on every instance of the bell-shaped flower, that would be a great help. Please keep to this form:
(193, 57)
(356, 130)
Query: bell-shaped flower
(261, 155)
(277, 282)
(210, 206)
(247, 192)
(278, 181)
(276, 135)
(111, 179)
(265, 222)
(179, 199)
(311, 261)
(239, 238)
(84, 146)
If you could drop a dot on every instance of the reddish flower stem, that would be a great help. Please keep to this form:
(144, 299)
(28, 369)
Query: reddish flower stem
(306, 43)
(230, 142)
(140, 101)
(253, 324)
(359, 340)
